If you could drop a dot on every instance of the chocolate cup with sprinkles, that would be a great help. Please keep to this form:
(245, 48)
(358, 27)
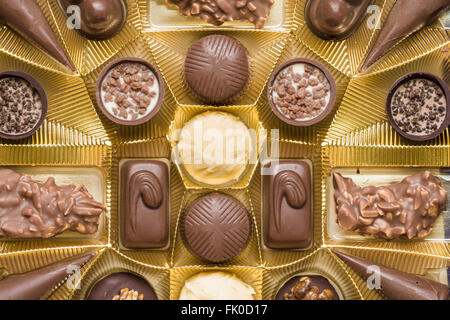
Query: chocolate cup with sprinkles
(446, 99)
(35, 87)
(158, 82)
(325, 110)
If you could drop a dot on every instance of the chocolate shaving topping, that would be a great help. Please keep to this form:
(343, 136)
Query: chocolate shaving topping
(419, 107)
(217, 12)
(30, 209)
(129, 88)
(304, 290)
(20, 106)
(300, 95)
(406, 209)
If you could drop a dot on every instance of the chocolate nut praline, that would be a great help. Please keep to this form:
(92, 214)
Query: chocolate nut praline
(408, 77)
(35, 85)
(318, 281)
(111, 285)
(325, 111)
(105, 72)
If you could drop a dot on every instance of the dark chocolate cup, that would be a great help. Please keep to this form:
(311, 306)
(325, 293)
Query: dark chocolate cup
(325, 112)
(40, 90)
(98, 87)
(418, 75)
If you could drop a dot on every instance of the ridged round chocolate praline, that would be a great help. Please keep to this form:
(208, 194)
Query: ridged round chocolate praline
(216, 69)
(35, 85)
(418, 75)
(111, 285)
(215, 227)
(326, 110)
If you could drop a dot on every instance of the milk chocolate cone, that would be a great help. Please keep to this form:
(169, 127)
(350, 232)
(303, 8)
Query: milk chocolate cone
(397, 285)
(405, 18)
(100, 19)
(39, 284)
(25, 17)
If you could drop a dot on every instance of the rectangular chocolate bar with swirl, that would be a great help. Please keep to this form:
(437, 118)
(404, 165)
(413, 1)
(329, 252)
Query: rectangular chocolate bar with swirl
(286, 201)
(144, 204)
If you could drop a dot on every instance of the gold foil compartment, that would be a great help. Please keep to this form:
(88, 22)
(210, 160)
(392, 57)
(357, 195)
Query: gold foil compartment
(250, 256)
(251, 276)
(319, 262)
(247, 115)
(156, 15)
(14, 45)
(111, 261)
(158, 126)
(83, 164)
(293, 151)
(146, 150)
(69, 105)
(17, 263)
(384, 159)
(170, 48)
(381, 176)
(416, 263)
(308, 134)
(88, 54)
(360, 121)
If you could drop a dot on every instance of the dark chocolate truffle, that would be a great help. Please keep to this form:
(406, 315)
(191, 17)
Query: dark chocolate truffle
(216, 69)
(335, 19)
(417, 106)
(112, 288)
(100, 19)
(307, 287)
(216, 227)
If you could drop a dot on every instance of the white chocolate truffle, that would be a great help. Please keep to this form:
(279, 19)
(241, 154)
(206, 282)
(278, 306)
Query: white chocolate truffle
(216, 286)
(215, 148)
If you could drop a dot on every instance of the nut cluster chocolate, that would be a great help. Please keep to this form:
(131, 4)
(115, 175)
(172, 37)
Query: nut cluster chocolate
(30, 209)
(419, 107)
(406, 209)
(304, 290)
(20, 106)
(217, 12)
(130, 91)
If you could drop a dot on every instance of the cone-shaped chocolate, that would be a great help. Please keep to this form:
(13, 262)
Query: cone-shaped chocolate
(39, 284)
(398, 285)
(26, 18)
(405, 18)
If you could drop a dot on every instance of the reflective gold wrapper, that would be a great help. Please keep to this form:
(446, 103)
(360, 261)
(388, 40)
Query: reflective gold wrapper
(78, 143)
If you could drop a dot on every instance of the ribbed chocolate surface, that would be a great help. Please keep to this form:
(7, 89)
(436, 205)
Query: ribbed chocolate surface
(216, 68)
(216, 227)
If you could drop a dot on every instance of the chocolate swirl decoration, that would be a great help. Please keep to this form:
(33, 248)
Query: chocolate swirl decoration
(287, 184)
(146, 185)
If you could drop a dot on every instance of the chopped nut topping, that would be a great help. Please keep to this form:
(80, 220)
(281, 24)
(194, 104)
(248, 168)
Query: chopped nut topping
(127, 294)
(303, 290)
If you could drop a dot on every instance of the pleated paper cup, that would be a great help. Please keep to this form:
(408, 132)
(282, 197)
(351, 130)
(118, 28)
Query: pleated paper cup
(250, 256)
(70, 113)
(320, 263)
(157, 15)
(111, 262)
(18, 263)
(88, 165)
(156, 127)
(170, 48)
(419, 264)
(247, 115)
(156, 149)
(381, 165)
(251, 276)
(89, 54)
(308, 134)
(362, 113)
(288, 150)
